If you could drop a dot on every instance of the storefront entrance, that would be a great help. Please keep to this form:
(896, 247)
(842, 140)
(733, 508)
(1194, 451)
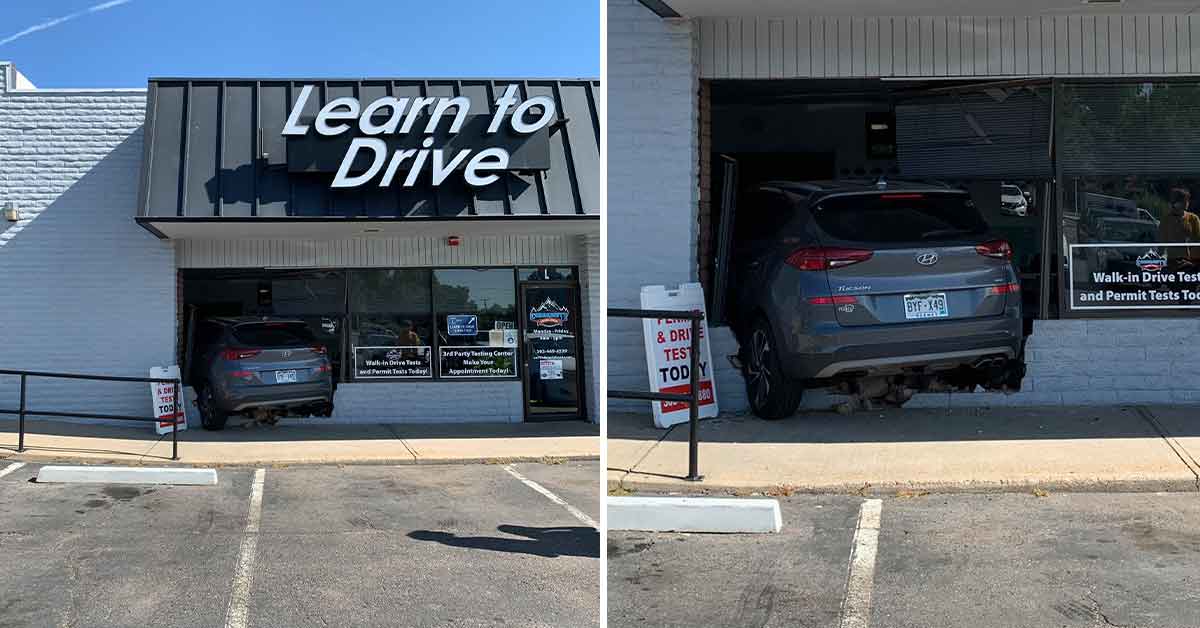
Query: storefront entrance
(551, 349)
(403, 326)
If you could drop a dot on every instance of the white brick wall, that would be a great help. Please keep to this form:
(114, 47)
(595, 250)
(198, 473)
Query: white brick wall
(84, 288)
(1101, 361)
(413, 402)
(652, 172)
(592, 311)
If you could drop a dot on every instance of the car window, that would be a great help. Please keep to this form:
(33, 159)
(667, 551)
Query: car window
(273, 334)
(899, 217)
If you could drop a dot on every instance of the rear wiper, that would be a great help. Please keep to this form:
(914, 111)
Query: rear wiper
(945, 232)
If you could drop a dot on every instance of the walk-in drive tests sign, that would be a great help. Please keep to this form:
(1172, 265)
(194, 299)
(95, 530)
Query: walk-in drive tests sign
(668, 353)
(1118, 276)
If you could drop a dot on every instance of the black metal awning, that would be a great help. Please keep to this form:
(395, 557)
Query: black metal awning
(216, 153)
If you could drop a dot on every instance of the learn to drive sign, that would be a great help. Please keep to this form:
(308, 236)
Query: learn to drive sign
(668, 353)
(375, 156)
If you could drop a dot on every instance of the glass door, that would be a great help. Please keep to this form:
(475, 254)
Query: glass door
(551, 351)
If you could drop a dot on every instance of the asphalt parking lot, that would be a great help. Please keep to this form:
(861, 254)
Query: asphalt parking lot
(416, 545)
(986, 561)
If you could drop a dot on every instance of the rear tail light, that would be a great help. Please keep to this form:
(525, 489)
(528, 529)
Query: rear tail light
(239, 354)
(1008, 288)
(825, 258)
(245, 375)
(838, 300)
(998, 249)
(319, 349)
(324, 368)
(908, 196)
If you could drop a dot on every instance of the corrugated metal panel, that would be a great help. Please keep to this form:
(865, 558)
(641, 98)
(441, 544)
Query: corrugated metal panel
(202, 159)
(1065, 45)
(378, 252)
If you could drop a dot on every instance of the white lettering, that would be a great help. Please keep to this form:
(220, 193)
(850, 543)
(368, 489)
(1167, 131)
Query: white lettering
(331, 112)
(417, 105)
(548, 111)
(397, 106)
(341, 180)
(440, 170)
(502, 104)
(394, 164)
(293, 126)
(463, 105)
(486, 159)
(418, 163)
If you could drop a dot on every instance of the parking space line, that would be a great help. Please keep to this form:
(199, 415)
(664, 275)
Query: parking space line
(10, 468)
(577, 513)
(237, 615)
(856, 606)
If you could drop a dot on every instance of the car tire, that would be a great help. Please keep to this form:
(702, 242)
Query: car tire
(771, 393)
(211, 417)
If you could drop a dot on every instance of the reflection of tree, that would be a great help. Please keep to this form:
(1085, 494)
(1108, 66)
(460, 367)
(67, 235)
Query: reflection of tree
(1105, 127)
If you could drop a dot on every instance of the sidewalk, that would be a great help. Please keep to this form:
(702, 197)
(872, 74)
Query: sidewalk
(305, 444)
(1084, 448)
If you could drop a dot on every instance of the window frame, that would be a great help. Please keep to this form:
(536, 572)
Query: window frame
(1053, 255)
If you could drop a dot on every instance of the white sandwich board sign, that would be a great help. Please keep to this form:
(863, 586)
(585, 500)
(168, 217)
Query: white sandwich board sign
(668, 346)
(162, 395)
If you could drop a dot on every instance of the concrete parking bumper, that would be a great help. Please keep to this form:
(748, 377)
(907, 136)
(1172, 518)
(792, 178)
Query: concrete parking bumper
(178, 476)
(693, 514)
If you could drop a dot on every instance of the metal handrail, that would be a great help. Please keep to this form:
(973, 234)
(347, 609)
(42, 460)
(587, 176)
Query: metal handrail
(23, 411)
(692, 399)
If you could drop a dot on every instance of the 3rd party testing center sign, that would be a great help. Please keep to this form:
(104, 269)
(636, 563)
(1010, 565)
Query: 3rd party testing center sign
(668, 353)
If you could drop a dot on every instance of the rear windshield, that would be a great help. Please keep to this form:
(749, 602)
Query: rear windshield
(900, 217)
(273, 334)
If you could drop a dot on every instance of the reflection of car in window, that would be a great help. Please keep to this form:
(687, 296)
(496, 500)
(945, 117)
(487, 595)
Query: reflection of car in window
(1126, 230)
(1118, 230)
(1013, 201)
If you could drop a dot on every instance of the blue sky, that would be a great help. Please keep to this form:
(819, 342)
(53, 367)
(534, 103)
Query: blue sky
(120, 43)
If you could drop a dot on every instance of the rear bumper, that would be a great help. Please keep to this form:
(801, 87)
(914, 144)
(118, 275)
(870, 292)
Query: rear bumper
(237, 399)
(893, 348)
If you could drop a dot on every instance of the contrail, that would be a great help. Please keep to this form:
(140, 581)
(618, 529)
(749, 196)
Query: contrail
(59, 20)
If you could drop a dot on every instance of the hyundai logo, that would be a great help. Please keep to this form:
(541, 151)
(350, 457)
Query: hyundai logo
(928, 258)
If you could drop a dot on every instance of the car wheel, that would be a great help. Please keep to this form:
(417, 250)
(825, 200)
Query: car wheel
(772, 395)
(211, 416)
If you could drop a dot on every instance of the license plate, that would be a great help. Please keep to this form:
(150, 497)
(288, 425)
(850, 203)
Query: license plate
(922, 306)
(285, 377)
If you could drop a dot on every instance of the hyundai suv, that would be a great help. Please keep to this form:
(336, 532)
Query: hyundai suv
(263, 368)
(875, 289)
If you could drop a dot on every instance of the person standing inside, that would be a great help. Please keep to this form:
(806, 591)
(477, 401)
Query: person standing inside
(1179, 225)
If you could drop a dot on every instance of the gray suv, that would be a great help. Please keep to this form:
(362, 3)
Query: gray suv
(261, 367)
(875, 289)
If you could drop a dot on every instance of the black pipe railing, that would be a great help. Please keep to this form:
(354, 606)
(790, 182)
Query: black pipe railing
(24, 410)
(692, 398)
